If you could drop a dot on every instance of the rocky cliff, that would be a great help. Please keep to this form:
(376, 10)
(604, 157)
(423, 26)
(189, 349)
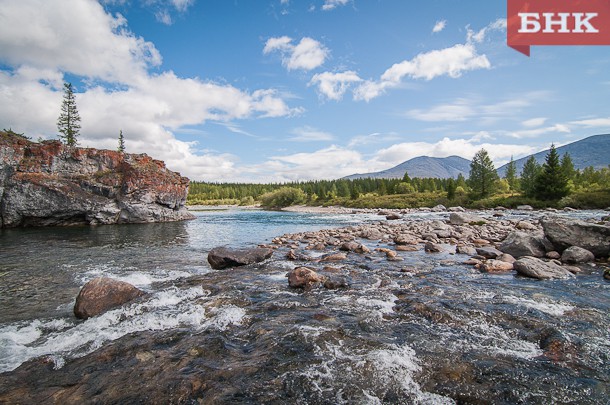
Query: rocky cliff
(48, 183)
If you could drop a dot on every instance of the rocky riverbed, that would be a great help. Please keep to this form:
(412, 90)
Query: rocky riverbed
(394, 311)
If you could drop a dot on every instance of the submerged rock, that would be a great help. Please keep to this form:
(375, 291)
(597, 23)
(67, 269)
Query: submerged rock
(221, 257)
(48, 183)
(102, 294)
(536, 268)
(564, 233)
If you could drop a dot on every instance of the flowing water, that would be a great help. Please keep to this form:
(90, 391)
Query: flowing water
(424, 330)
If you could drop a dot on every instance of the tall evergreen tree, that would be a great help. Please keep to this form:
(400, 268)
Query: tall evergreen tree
(121, 147)
(451, 187)
(511, 174)
(531, 171)
(406, 178)
(483, 175)
(68, 122)
(567, 166)
(551, 184)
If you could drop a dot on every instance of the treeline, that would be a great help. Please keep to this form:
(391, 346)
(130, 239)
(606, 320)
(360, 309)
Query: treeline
(320, 191)
(554, 183)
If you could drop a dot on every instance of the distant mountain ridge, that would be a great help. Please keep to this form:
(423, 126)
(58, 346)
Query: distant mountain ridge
(422, 166)
(592, 151)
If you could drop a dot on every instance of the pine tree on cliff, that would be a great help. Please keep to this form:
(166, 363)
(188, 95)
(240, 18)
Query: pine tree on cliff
(483, 175)
(552, 183)
(121, 147)
(68, 122)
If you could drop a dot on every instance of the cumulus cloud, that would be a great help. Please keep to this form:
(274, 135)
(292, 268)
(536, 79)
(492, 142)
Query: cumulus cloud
(332, 4)
(308, 54)
(452, 62)
(81, 39)
(479, 36)
(439, 26)
(334, 85)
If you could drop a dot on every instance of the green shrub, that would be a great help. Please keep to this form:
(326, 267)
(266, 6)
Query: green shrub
(283, 197)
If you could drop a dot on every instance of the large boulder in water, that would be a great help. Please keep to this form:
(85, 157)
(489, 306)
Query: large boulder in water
(102, 294)
(520, 244)
(221, 257)
(568, 232)
(536, 268)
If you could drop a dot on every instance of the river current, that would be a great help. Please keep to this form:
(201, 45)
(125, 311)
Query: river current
(424, 330)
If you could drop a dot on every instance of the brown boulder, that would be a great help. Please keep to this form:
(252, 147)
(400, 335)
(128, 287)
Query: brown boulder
(102, 294)
(305, 278)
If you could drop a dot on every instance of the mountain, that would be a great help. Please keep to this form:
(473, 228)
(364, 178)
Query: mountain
(592, 151)
(423, 166)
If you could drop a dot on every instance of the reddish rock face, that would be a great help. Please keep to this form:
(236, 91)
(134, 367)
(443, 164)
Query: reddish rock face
(49, 183)
(102, 294)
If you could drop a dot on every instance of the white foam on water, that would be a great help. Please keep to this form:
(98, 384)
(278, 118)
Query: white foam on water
(551, 308)
(131, 275)
(227, 316)
(166, 309)
(390, 368)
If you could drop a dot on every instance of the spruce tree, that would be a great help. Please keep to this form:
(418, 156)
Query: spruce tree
(551, 184)
(68, 122)
(121, 147)
(406, 178)
(483, 175)
(530, 173)
(511, 174)
(567, 166)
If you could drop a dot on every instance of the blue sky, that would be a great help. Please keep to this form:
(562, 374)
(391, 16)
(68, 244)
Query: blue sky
(282, 90)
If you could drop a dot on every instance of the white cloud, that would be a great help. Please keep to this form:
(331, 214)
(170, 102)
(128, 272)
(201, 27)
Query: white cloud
(308, 54)
(534, 122)
(439, 26)
(334, 85)
(466, 148)
(593, 123)
(77, 37)
(332, 4)
(310, 134)
(80, 38)
(452, 62)
(461, 110)
(499, 25)
(533, 133)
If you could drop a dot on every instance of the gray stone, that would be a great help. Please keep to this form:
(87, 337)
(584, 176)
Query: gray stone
(221, 257)
(433, 248)
(465, 250)
(520, 244)
(568, 232)
(488, 252)
(461, 218)
(575, 255)
(536, 268)
(525, 208)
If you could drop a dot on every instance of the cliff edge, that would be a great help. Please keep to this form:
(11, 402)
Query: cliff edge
(48, 183)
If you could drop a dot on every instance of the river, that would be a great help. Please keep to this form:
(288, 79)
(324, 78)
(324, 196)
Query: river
(425, 330)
